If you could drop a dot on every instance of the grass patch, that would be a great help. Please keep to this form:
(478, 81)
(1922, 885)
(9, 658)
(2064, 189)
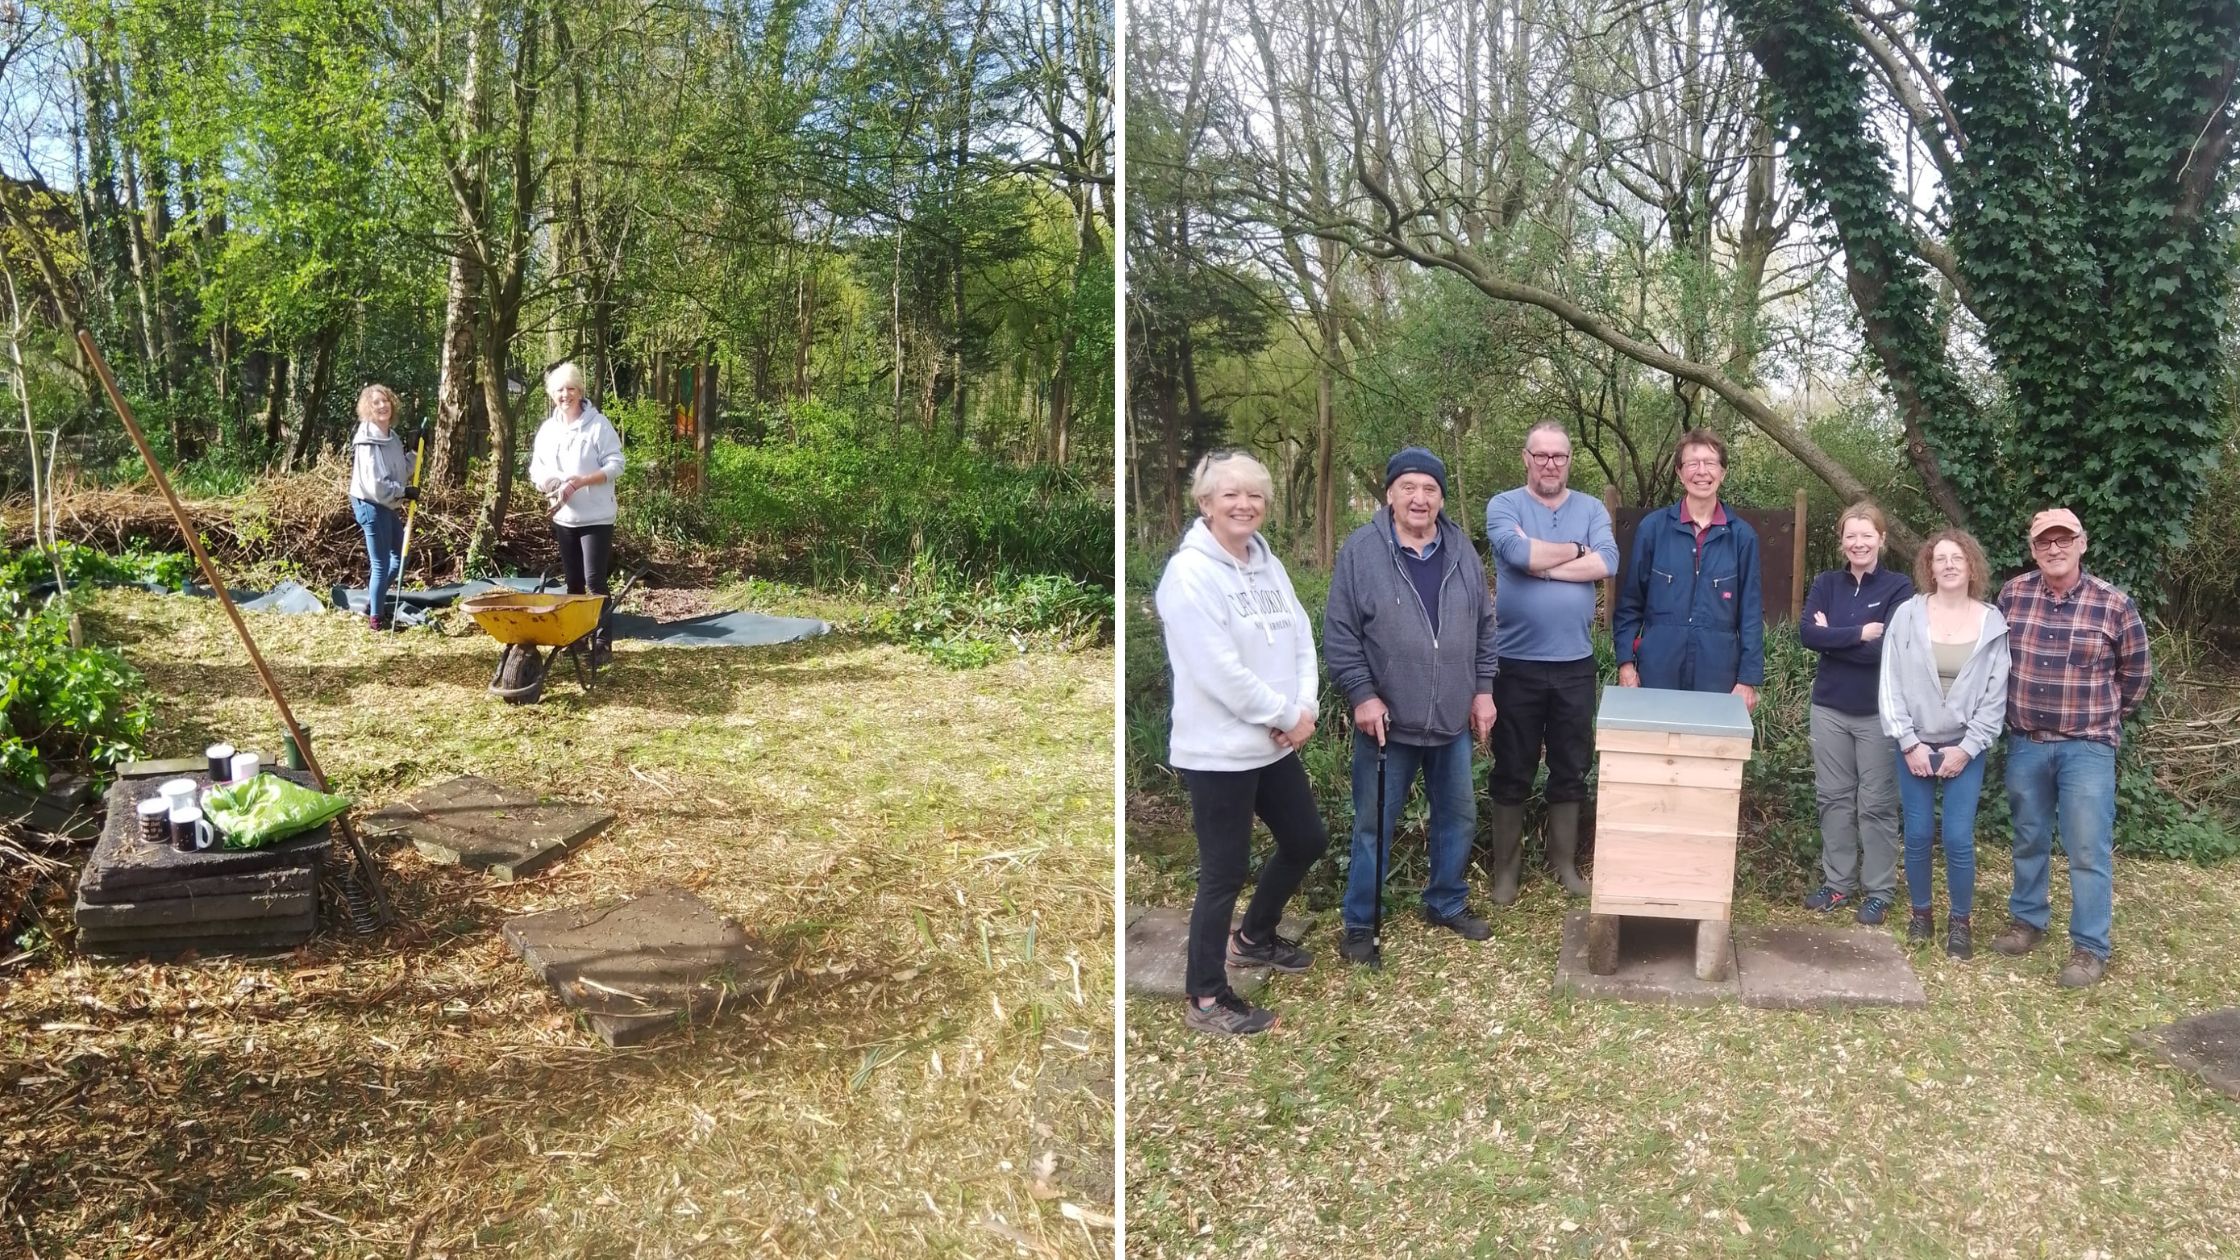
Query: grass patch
(1453, 1105)
(930, 849)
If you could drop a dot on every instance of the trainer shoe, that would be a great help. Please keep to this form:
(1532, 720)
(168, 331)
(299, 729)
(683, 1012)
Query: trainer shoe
(2019, 938)
(1921, 928)
(1229, 1016)
(2084, 970)
(1959, 937)
(1277, 953)
(1462, 923)
(1827, 899)
(1872, 911)
(1360, 948)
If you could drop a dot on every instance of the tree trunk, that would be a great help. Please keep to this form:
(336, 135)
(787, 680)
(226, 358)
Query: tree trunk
(458, 393)
(305, 449)
(275, 405)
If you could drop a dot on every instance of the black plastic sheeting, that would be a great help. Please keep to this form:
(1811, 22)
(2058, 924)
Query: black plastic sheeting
(728, 629)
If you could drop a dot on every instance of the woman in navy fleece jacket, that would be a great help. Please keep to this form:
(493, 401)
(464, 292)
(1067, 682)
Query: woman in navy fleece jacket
(1854, 764)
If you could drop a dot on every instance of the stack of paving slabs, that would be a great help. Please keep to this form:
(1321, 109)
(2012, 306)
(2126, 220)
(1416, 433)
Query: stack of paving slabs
(138, 899)
(635, 967)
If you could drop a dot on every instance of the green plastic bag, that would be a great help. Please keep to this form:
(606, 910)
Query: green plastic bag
(268, 809)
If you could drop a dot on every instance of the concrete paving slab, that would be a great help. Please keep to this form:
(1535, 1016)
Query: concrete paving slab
(121, 866)
(249, 883)
(1159, 952)
(485, 826)
(1816, 968)
(299, 926)
(202, 946)
(638, 966)
(2206, 1045)
(1656, 963)
(170, 910)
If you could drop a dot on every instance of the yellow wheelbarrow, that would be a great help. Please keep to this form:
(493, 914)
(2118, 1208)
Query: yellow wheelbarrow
(536, 628)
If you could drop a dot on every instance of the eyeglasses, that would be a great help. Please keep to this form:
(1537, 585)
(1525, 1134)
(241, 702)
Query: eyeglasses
(1555, 459)
(1701, 465)
(2053, 542)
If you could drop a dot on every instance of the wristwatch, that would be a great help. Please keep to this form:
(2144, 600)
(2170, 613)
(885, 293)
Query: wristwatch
(1582, 550)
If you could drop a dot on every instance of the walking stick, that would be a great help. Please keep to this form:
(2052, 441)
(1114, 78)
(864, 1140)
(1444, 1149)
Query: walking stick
(1376, 932)
(368, 874)
(412, 507)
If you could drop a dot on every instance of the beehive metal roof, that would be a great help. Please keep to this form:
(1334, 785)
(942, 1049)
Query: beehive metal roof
(1684, 712)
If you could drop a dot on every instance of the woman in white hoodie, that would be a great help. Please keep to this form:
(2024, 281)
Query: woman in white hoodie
(1943, 698)
(1242, 653)
(380, 486)
(574, 463)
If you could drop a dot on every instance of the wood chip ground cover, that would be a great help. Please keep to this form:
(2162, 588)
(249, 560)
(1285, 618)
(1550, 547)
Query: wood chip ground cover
(1454, 1106)
(929, 850)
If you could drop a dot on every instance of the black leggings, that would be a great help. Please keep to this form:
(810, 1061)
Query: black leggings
(1222, 804)
(587, 558)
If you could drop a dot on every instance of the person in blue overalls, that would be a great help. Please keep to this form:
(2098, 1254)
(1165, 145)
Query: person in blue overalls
(1689, 616)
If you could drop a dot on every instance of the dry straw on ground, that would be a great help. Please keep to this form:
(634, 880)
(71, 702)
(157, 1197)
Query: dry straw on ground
(1453, 1106)
(928, 851)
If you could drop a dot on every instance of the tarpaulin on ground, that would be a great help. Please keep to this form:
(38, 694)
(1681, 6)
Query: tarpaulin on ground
(728, 629)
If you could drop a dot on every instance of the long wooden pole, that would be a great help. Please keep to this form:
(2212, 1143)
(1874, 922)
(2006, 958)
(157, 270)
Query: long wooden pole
(368, 872)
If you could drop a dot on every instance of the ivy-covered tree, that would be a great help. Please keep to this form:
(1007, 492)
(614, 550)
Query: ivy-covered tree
(2082, 159)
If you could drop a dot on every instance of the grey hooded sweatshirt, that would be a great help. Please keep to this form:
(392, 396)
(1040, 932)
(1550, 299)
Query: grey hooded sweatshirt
(1915, 709)
(379, 467)
(1377, 639)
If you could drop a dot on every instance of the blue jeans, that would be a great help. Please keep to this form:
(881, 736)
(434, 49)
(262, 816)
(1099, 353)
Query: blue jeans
(2072, 782)
(384, 531)
(1917, 798)
(1452, 789)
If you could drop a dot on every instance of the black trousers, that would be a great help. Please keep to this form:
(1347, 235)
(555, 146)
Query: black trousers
(1542, 704)
(587, 560)
(1222, 806)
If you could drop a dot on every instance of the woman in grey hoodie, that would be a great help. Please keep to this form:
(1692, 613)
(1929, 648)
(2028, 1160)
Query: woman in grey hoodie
(380, 486)
(1943, 698)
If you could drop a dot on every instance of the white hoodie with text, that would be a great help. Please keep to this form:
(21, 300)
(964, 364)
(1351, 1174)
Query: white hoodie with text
(1242, 652)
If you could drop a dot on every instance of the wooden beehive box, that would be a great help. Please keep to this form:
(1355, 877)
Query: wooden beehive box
(1669, 802)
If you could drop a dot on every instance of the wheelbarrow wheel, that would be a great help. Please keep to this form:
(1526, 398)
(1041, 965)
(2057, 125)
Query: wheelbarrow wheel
(520, 678)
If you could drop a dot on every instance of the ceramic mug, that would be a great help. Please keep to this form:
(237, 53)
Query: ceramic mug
(190, 831)
(220, 757)
(155, 820)
(246, 766)
(180, 792)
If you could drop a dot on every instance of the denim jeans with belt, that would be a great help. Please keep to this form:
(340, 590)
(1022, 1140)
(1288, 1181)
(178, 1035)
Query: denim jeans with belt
(384, 533)
(1453, 794)
(2070, 783)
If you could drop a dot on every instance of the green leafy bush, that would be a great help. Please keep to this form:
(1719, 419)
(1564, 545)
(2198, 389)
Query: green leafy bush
(61, 705)
(837, 499)
(29, 569)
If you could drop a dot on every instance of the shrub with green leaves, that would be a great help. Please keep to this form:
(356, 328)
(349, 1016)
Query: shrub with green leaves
(61, 706)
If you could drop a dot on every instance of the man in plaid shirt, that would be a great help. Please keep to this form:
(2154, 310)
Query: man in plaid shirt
(2080, 668)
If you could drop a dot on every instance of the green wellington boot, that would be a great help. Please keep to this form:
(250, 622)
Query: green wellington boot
(1508, 852)
(1563, 846)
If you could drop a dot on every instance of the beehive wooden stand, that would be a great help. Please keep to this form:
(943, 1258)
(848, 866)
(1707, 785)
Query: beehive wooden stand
(1666, 814)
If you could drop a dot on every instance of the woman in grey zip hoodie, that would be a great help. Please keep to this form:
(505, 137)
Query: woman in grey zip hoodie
(380, 486)
(1943, 698)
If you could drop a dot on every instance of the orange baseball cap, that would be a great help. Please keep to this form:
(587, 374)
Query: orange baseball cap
(2055, 518)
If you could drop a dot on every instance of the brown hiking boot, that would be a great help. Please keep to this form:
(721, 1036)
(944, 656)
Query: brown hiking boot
(2084, 970)
(2018, 939)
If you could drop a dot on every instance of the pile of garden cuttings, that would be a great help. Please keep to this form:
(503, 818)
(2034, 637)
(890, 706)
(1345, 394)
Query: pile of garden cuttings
(299, 524)
(33, 864)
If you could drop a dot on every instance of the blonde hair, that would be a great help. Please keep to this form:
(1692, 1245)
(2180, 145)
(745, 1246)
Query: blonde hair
(1863, 510)
(562, 375)
(1219, 468)
(371, 392)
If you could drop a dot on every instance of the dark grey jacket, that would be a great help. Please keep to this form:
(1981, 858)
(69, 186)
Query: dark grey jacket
(1377, 641)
